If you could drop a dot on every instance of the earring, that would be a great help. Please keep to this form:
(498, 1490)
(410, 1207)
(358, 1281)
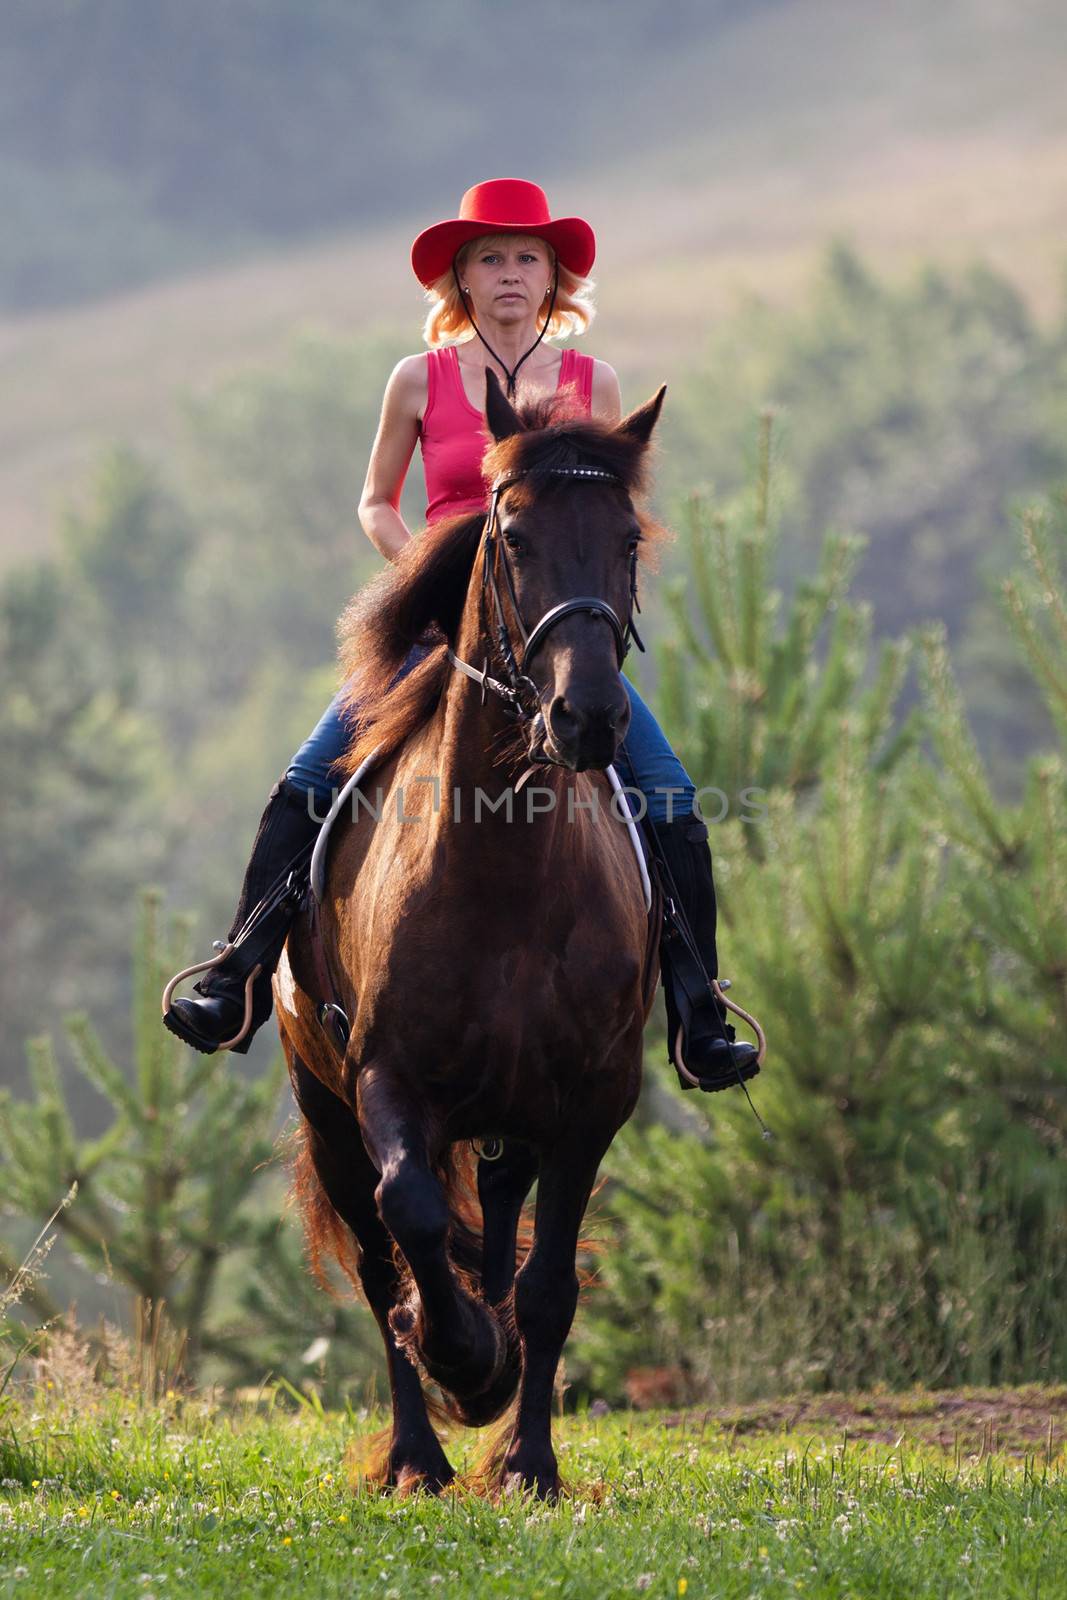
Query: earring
(465, 289)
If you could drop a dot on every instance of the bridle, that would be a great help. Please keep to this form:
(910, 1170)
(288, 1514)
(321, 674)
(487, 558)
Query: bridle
(518, 691)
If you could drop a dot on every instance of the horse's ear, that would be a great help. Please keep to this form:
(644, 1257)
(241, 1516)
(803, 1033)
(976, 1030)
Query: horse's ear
(639, 424)
(498, 410)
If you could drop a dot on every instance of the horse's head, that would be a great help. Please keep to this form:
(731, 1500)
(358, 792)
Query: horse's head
(563, 544)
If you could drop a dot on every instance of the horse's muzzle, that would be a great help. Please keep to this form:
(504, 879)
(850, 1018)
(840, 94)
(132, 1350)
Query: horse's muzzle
(585, 737)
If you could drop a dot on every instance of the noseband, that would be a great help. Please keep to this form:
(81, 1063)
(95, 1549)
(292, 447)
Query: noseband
(518, 691)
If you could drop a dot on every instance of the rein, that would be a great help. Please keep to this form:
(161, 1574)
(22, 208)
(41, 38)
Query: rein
(518, 692)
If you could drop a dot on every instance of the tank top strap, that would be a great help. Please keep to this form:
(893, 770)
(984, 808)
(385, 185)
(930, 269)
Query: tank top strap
(446, 398)
(451, 373)
(434, 377)
(578, 370)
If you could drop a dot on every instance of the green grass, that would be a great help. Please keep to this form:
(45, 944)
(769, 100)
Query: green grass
(191, 1499)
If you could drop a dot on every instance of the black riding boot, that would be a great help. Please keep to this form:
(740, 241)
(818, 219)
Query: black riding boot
(283, 843)
(710, 1048)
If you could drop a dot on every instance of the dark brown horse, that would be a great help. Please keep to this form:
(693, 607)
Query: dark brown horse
(495, 955)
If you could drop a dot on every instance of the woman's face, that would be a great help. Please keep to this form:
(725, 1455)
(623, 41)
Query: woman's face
(509, 279)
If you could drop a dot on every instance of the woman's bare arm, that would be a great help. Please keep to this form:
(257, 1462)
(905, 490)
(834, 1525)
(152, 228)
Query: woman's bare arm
(390, 457)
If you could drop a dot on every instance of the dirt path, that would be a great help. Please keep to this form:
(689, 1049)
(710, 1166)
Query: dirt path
(1017, 1421)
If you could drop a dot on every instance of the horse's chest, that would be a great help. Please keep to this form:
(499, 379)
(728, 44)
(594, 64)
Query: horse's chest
(540, 1005)
(530, 993)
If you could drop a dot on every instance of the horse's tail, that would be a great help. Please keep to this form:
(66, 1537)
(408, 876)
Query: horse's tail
(457, 1172)
(326, 1237)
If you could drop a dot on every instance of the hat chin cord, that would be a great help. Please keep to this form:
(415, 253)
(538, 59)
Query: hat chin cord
(510, 373)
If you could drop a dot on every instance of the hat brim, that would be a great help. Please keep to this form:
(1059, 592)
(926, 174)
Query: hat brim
(435, 248)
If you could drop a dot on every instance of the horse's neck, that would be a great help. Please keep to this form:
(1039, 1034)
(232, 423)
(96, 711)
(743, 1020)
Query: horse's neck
(472, 732)
(527, 847)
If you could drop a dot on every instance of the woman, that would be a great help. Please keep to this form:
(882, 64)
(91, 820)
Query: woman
(502, 278)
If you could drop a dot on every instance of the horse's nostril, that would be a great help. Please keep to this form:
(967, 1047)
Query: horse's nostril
(618, 716)
(564, 720)
(570, 724)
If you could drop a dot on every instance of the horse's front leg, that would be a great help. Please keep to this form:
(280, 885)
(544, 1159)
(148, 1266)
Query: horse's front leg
(456, 1336)
(415, 1458)
(546, 1295)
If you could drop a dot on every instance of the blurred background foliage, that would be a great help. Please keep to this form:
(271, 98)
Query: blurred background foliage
(140, 141)
(864, 457)
(892, 910)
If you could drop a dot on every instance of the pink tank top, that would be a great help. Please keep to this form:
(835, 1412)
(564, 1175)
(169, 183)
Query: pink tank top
(454, 436)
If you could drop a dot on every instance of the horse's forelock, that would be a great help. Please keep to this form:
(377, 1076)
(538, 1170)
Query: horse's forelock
(555, 437)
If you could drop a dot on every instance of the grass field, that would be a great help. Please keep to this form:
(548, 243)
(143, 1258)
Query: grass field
(939, 1495)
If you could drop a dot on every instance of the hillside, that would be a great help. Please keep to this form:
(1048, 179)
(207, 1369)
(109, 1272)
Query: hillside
(912, 133)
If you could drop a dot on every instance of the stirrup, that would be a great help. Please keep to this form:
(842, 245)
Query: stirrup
(224, 952)
(740, 1075)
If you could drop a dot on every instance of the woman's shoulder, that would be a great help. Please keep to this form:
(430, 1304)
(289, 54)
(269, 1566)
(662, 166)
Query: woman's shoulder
(577, 353)
(603, 371)
(408, 383)
(605, 393)
(410, 371)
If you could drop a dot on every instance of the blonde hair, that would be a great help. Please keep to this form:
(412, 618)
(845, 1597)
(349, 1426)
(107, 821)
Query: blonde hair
(447, 321)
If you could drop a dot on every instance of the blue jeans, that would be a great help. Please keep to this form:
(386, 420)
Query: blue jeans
(645, 761)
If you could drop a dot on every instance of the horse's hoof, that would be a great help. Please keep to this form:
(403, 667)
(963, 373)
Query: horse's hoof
(464, 1386)
(477, 1411)
(424, 1480)
(518, 1484)
(538, 1475)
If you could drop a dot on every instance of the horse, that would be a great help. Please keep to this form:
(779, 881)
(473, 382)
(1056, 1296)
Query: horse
(496, 954)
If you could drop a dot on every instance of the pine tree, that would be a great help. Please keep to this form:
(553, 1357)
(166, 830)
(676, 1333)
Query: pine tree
(180, 1201)
(902, 936)
(747, 699)
(162, 1192)
(1010, 871)
(837, 924)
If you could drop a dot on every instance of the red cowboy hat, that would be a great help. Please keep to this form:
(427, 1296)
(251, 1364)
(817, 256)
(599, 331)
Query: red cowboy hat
(502, 205)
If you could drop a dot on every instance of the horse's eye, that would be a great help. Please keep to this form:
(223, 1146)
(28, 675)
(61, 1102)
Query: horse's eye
(632, 546)
(515, 544)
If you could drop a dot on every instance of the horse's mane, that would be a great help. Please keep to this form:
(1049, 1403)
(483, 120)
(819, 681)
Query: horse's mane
(423, 592)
